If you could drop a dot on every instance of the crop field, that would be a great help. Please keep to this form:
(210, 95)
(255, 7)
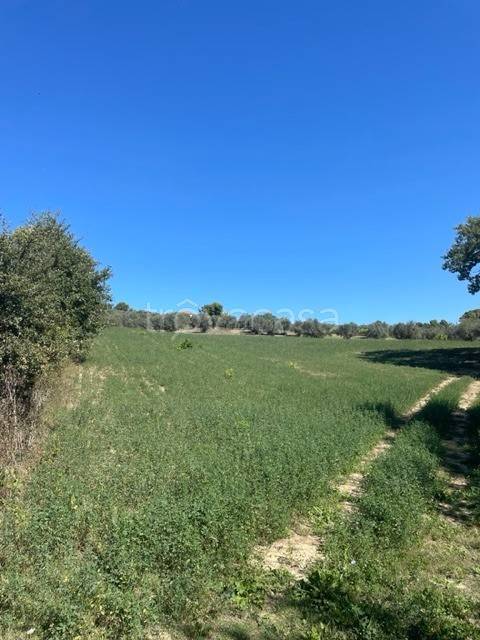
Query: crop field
(168, 459)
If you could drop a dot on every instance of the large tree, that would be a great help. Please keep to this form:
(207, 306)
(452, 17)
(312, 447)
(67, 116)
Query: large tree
(214, 310)
(464, 256)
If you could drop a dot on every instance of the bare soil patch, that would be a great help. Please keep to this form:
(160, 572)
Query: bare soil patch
(295, 553)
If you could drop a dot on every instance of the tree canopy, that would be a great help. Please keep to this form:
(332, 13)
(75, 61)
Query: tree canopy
(53, 298)
(464, 255)
(473, 314)
(214, 310)
(52, 295)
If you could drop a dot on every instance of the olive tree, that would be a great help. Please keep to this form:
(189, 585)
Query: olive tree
(263, 323)
(377, 329)
(214, 310)
(347, 330)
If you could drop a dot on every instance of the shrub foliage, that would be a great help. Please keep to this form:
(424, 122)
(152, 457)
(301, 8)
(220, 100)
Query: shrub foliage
(52, 302)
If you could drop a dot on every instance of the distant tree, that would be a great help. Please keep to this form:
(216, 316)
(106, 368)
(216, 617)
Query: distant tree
(436, 330)
(377, 329)
(203, 321)
(227, 321)
(183, 320)
(121, 306)
(245, 322)
(464, 255)
(142, 319)
(314, 329)
(348, 330)
(297, 327)
(156, 321)
(473, 314)
(263, 323)
(406, 331)
(169, 321)
(283, 325)
(468, 330)
(214, 310)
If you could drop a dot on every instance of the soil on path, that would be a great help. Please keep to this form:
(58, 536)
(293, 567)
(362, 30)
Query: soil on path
(300, 548)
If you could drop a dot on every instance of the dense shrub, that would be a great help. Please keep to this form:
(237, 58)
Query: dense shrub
(284, 325)
(378, 329)
(52, 302)
(245, 322)
(169, 322)
(227, 321)
(183, 320)
(314, 329)
(203, 321)
(156, 321)
(406, 330)
(436, 330)
(263, 323)
(297, 327)
(468, 330)
(347, 330)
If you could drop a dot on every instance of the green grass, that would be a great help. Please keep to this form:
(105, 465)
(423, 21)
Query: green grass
(378, 581)
(153, 489)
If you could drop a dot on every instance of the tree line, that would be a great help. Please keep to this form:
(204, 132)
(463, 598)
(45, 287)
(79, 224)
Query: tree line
(213, 316)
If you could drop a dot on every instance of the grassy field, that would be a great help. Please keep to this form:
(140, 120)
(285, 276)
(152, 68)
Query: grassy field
(166, 465)
(387, 571)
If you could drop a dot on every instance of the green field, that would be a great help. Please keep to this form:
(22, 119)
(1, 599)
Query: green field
(165, 466)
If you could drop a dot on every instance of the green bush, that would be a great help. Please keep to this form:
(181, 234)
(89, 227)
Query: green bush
(468, 330)
(377, 329)
(52, 302)
(226, 321)
(186, 343)
(348, 330)
(263, 323)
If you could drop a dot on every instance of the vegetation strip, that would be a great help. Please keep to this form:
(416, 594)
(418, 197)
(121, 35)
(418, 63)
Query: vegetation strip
(373, 581)
(297, 551)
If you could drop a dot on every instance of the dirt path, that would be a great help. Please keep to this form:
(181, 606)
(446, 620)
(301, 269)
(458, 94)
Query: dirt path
(457, 456)
(350, 488)
(296, 552)
(424, 400)
(453, 557)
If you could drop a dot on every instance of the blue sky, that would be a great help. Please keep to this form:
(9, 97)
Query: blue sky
(267, 154)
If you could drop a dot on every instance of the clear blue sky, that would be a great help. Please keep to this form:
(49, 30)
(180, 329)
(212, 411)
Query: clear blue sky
(263, 153)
